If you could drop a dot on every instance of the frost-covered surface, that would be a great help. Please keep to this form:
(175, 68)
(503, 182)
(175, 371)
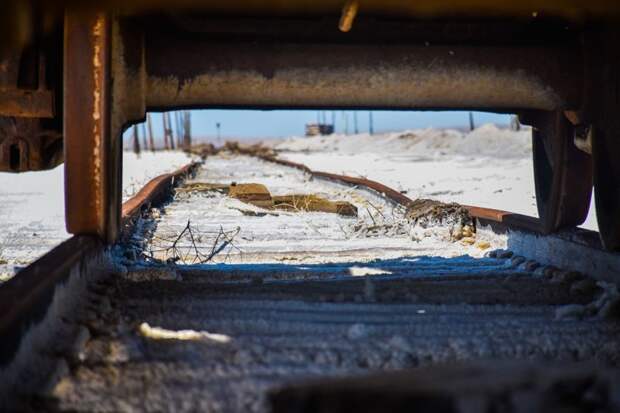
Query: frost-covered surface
(488, 167)
(32, 209)
(298, 237)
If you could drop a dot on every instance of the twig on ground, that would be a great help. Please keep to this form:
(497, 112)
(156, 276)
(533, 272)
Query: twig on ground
(185, 249)
(371, 217)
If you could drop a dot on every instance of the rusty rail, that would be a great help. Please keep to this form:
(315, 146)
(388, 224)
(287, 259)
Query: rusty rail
(576, 249)
(26, 298)
(155, 190)
(499, 220)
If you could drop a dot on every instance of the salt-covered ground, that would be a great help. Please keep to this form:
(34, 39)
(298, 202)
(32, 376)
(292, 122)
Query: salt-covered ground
(32, 208)
(488, 167)
(297, 237)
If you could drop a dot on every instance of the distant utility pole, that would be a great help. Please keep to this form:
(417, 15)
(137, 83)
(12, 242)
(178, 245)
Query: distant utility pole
(187, 134)
(179, 127)
(371, 128)
(168, 138)
(355, 122)
(345, 119)
(143, 130)
(166, 145)
(171, 131)
(219, 137)
(150, 126)
(136, 140)
(472, 126)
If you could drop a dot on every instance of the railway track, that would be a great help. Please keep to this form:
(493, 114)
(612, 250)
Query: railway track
(297, 295)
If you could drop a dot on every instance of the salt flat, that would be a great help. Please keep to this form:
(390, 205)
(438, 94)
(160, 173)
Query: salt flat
(32, 217)
(488, 167)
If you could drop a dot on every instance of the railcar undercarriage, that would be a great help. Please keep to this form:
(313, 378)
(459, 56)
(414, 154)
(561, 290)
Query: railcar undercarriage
(73, 77)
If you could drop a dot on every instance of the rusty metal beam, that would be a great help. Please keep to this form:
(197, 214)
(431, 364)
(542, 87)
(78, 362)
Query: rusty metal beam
(92, 153)
(287, 75)
(399, 77)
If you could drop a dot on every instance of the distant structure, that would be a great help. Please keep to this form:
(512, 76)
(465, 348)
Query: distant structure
(321, 127)
(315, 129)
(472, 125)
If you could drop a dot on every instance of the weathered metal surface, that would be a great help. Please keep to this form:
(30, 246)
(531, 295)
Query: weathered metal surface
(349, 11)
(27, 103)
(562, 174)
(287, 163)
(213, 74)
(30, 108)
(375, 186)
(92, 158)
(28, 144)
(155, 190)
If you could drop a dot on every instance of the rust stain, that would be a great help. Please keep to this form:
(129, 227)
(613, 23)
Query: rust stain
(349, 11)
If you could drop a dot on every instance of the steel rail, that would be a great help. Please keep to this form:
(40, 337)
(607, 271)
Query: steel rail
(500, 221)
(26, 298)
(155, 191)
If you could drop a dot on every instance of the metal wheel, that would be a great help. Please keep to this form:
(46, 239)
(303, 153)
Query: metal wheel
(562, 173)
(606, 155)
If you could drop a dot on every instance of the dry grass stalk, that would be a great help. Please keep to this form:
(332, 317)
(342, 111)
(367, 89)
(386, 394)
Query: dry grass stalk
(185, 249)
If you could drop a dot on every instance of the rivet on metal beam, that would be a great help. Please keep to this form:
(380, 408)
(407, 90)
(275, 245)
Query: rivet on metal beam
(349, 11)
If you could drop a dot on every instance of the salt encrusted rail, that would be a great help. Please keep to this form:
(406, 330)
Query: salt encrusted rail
(38, 305)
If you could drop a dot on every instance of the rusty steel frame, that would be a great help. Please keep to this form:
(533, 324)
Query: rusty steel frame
(92, 151)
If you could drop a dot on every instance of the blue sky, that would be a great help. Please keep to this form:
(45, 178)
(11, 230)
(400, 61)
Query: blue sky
(248, 124)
